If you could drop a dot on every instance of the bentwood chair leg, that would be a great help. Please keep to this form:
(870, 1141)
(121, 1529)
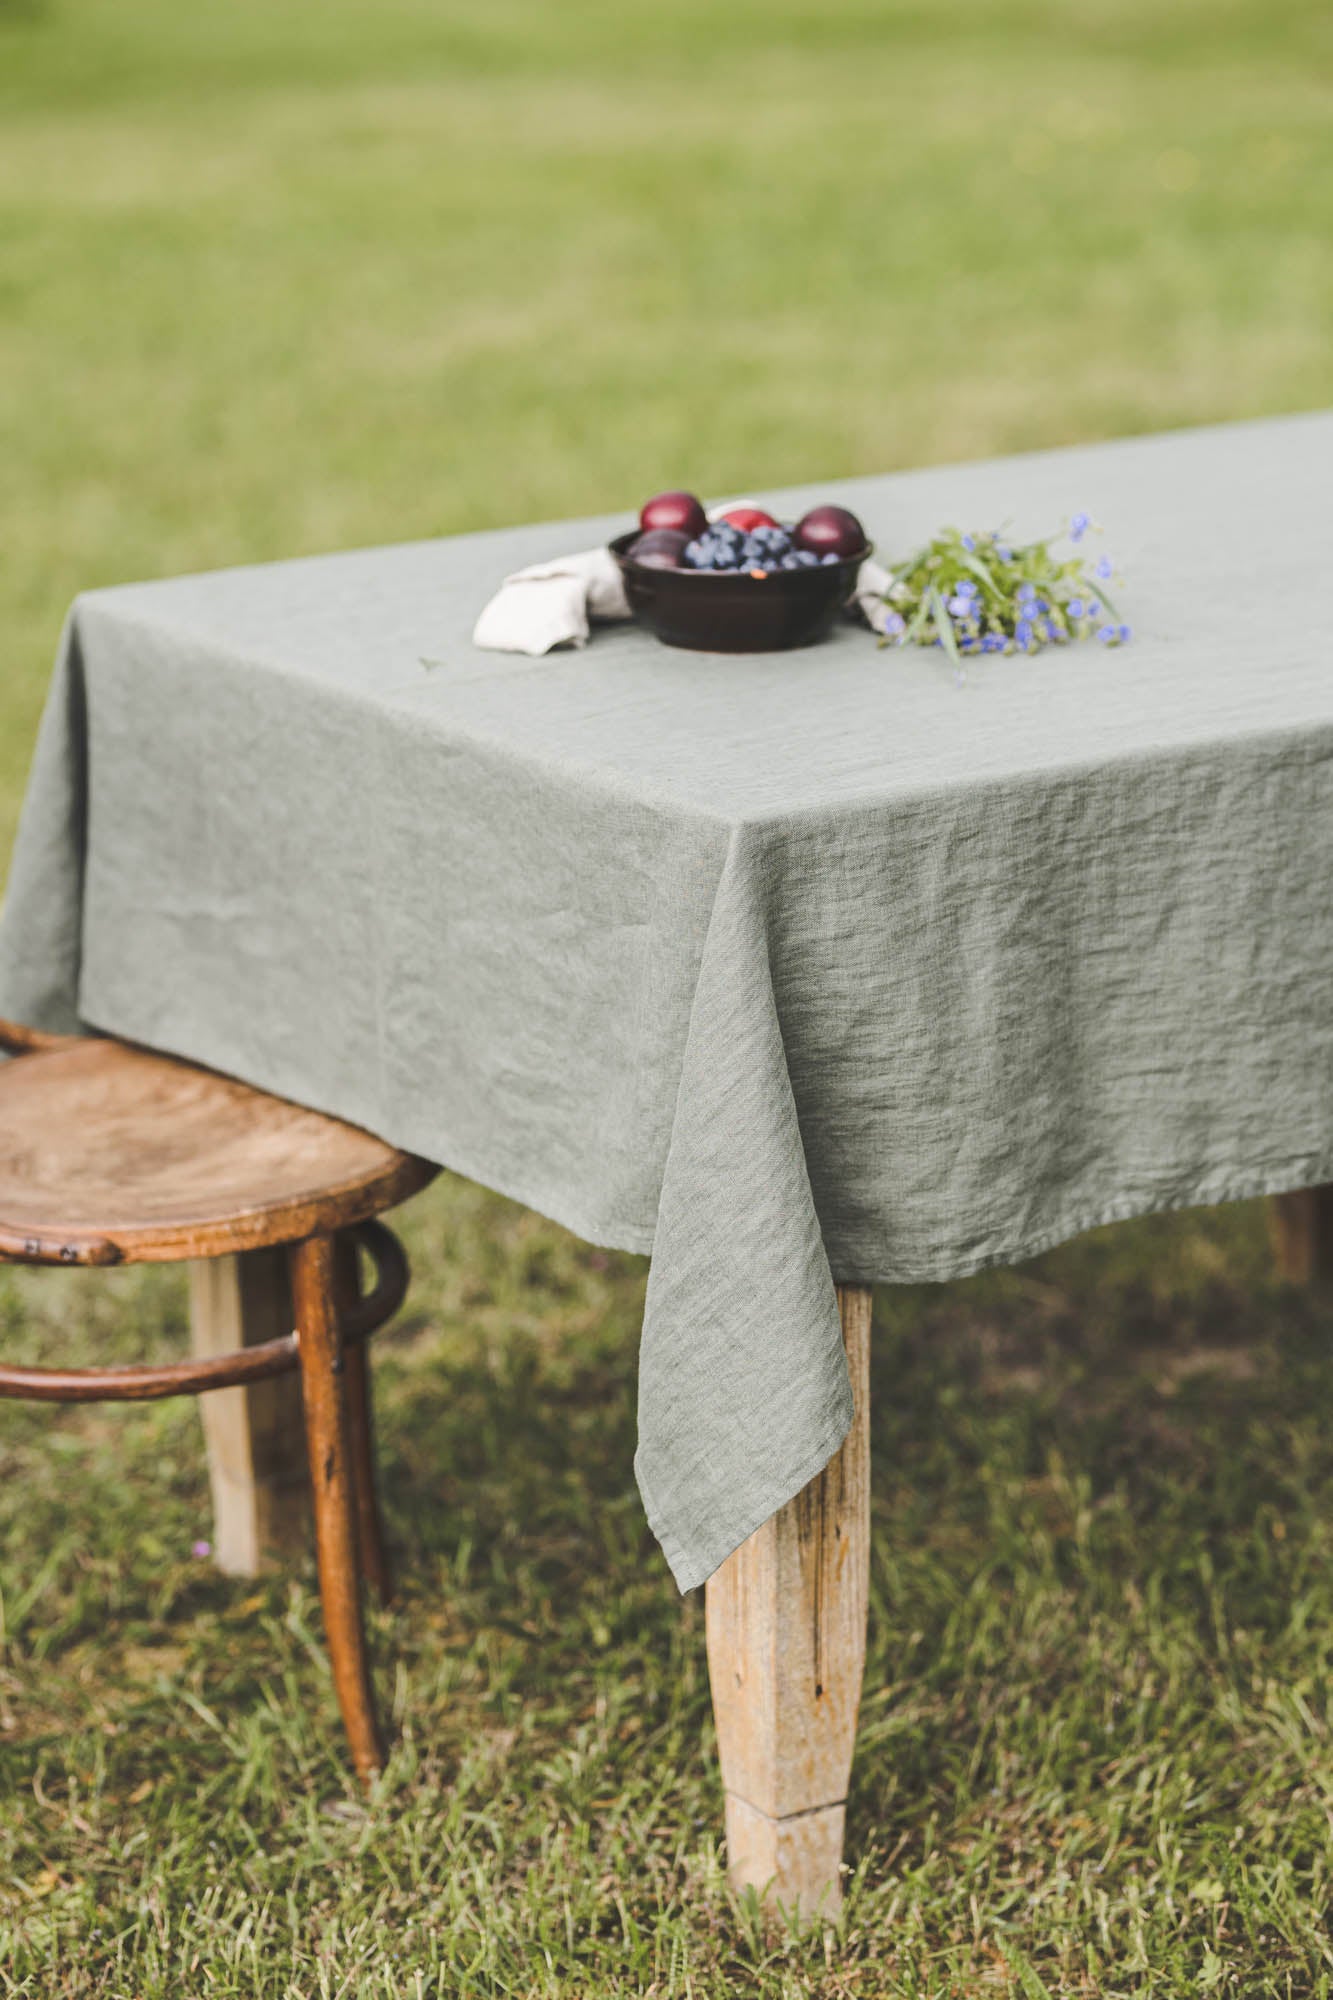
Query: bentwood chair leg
(361, 1434)
(361, 1438)
(324, 1391)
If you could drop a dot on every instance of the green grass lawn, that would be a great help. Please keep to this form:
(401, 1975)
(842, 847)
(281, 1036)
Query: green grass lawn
(284, 278)
(1095, 1746)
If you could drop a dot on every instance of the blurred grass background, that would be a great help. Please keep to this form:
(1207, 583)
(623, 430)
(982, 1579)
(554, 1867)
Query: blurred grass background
(278, 279)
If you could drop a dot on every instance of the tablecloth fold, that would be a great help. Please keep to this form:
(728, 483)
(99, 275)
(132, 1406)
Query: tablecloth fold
(743, 1388)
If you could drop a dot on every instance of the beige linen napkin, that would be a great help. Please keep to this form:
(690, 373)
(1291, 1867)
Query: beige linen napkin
(552, 604)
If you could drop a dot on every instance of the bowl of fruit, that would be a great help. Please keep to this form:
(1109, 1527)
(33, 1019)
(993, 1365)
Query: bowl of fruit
(743, 583)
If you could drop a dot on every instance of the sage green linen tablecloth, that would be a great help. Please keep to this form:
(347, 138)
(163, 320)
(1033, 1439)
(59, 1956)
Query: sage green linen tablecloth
(773, 966)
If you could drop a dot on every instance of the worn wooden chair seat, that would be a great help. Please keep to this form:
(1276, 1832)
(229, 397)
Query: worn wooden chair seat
(110, 1154)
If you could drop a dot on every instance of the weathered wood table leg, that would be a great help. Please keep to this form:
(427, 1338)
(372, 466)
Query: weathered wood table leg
(1303, 1234)
(256, 1436)
(786, 1620)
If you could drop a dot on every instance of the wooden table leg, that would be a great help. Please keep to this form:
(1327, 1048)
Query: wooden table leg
(255, 1437)
(1303, 1234)
(786, 1622)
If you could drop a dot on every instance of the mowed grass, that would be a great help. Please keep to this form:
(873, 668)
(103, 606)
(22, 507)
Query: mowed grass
(1094, 1755)
(275, 279)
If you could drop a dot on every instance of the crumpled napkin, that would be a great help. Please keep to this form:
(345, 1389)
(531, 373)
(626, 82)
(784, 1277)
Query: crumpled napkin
(552, 604)
(556, 603)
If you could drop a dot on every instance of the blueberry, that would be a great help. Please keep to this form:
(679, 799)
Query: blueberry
(830, 557)
(807, 558)
(791, 562)
(697, 555)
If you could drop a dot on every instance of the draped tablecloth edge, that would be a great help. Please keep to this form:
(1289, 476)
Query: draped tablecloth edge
(1212, 1190)
(690, 1569)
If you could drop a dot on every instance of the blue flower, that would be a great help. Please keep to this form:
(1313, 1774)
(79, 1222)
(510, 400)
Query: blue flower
(1052, 630)
(1023, 632)
(1105, 568)
(966, 588)
(1125, 634)
(969, 542)
(1075, 607)
(993, 643)
(1004, 552)
(1079, 526)
(1108, 634)
(1026, 592)
(960, 606)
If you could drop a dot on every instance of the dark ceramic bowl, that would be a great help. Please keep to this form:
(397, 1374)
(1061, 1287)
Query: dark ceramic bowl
(734, 611)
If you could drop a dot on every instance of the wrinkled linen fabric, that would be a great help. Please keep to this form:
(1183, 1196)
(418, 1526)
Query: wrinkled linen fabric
(778, 967)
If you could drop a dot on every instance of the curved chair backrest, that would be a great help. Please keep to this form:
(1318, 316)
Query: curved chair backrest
(21, 1041)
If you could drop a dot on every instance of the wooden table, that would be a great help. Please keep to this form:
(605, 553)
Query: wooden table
(817, 967)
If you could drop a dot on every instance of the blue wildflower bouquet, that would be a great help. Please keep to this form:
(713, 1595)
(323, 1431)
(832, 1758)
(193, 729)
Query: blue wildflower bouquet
(977, 593)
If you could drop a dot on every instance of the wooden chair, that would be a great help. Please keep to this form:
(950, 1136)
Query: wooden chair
(110, 1154)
